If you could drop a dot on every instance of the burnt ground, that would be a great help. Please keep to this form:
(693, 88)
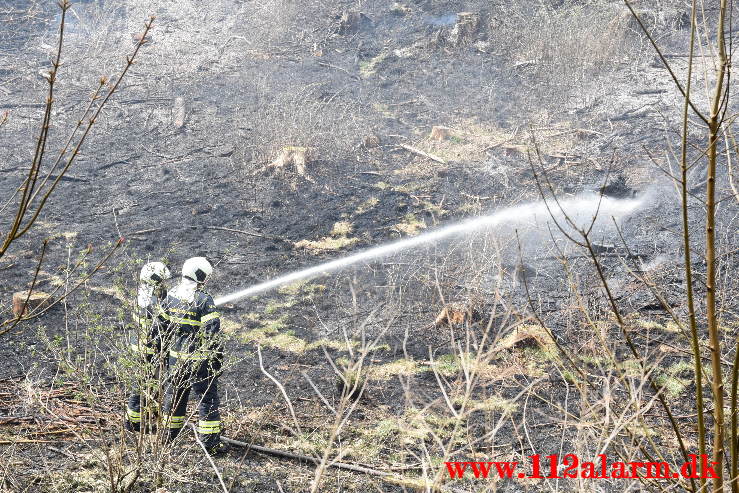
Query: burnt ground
(254, 77)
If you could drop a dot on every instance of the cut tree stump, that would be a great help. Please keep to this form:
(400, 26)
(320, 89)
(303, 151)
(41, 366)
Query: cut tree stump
(456, 314)
(371, 141)
(465, 29)
(441, 133)
(36, 302)
(350, 23)
(295, 156)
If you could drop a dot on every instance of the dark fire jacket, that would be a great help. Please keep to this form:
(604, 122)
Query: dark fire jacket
(193, 326)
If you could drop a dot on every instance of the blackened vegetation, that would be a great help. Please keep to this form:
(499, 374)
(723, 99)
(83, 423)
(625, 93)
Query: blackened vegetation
(282, 121)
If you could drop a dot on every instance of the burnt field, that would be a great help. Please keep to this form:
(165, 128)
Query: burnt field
(274, 136)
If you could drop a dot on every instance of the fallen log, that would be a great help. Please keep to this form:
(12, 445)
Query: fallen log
(422, 153)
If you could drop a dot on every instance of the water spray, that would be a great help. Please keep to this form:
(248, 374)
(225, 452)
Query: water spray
(581, 207)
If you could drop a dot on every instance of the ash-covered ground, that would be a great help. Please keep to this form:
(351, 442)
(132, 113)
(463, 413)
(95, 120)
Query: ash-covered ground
(181, 163)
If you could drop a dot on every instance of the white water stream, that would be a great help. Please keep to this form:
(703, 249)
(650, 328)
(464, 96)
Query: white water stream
(581, 209)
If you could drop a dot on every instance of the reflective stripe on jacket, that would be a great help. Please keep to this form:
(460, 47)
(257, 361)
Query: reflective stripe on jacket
(195, 326)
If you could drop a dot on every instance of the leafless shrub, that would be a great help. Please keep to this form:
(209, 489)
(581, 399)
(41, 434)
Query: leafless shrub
(568, 46)
(306, 116)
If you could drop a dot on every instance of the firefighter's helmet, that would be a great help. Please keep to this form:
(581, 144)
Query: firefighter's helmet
(154, 273)
(197, 269)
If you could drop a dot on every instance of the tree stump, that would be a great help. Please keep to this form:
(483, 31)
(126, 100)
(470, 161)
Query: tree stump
(371, 141)
(457, 314)
(441, 133)
(36, 302)
(350, 23)
(295, 156)
(466, 27)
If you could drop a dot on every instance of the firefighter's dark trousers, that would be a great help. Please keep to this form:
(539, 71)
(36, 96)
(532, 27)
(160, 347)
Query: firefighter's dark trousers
(202, 377)
(152, 367)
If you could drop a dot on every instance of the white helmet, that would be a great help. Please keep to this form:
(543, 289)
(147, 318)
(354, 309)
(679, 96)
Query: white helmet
(154, 273)
(197, 269)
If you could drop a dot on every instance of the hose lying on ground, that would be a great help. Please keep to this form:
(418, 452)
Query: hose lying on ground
(386, 476)
(307, 458)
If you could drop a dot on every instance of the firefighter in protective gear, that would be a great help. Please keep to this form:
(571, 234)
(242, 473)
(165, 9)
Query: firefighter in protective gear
(196, 354)
(147, 344)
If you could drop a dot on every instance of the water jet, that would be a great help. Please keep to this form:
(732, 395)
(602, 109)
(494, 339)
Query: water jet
(581, 208)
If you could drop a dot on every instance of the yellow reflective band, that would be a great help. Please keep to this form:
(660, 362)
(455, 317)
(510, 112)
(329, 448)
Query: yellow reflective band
(209, 427)
(179, 320)
(210, 316)
(133, 416)
(185, 321)
(175, 421)
(190, 356)
(180, 310)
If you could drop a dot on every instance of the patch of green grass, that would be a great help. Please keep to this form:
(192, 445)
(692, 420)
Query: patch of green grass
(410, 225)
(312, 443)
(229, 326)
(432, 208)
(367, 205)
(593, 360)
(676, 378)
(571, 377)
(409, 428)
(542, 354)
(342, 228)
(681, 367)
(333, 344)
(492, 403)
(369, 67)
(630, 367)
(670, 326)
(448, 365)
(640, 430)
(271, 334)
(673, 386)
(274, 306)
(302, 287)
(388, 371)
(337, 239)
